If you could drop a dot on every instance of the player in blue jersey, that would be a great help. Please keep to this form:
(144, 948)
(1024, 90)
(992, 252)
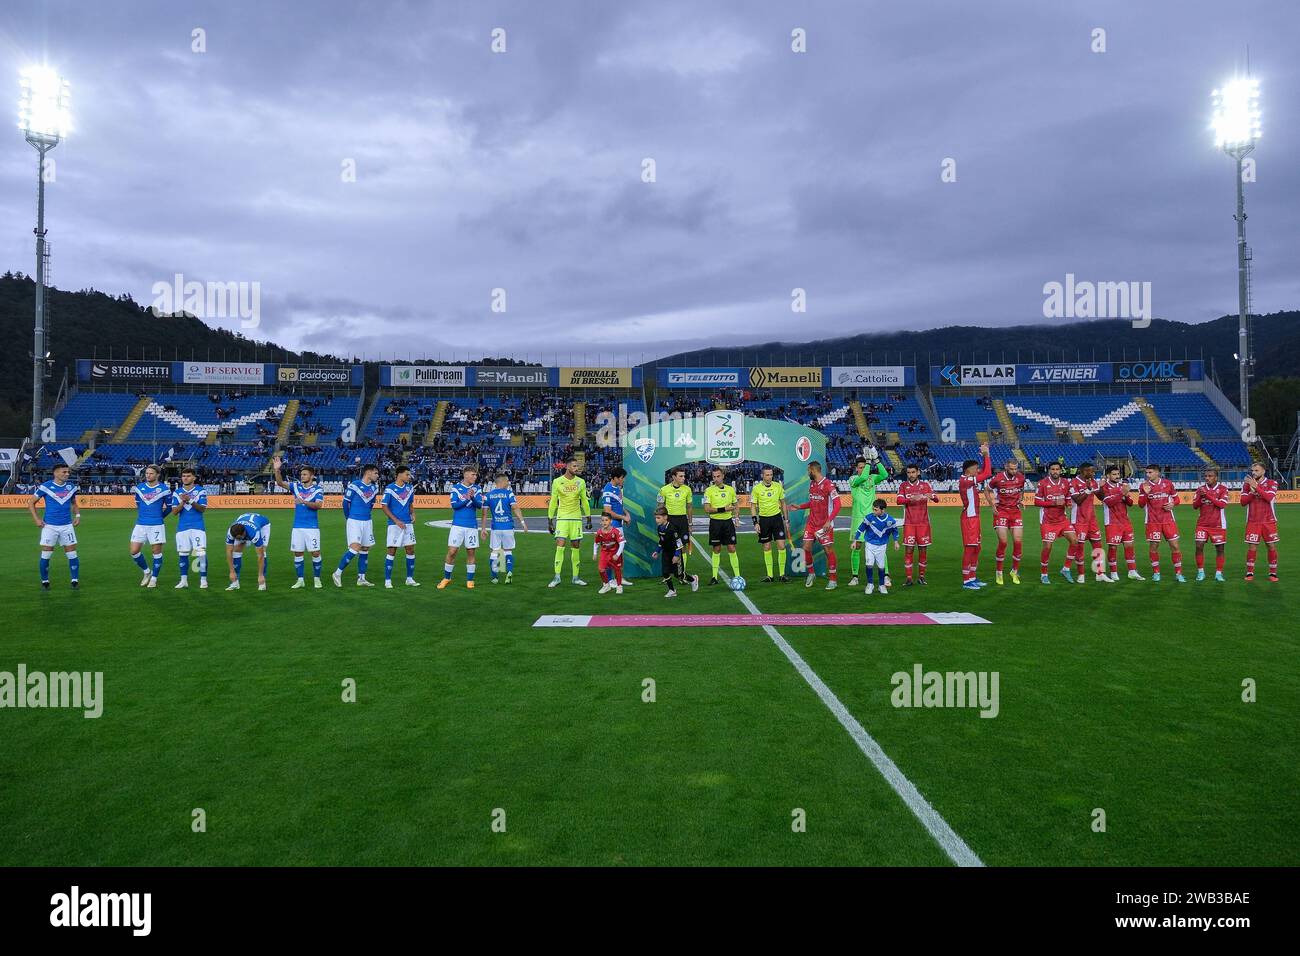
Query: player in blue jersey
(308, 498)
(611, 503)
(58, 526)
(398, 503)
(190, 501)
(876, 530)
(358, 508)
(153, 503)
(248, 529)
(500, 509)
(466, 500)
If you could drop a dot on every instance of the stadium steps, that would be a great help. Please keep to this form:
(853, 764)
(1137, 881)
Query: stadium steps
(87, 437)
(983, 438)
(1201, 454)
(895, 463)
(81, 459)
(1005, 420)
(123, 431)
(212, 438)
(1157, 425)
(436, 423)
(892, 439)
(859, 418)
(1076, 436)
(1025, 463)
(286, 423)
(579, 422)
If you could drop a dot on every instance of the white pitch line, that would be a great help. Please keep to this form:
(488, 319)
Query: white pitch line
(934, 823)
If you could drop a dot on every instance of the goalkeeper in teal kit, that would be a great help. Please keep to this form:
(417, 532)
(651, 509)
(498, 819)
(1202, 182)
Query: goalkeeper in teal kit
(868, 472)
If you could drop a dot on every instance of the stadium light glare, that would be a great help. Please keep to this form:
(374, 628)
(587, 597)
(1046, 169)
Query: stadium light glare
(1236, 120)
(44, 106)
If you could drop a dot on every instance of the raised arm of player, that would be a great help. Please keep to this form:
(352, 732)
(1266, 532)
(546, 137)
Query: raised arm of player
(276, 463)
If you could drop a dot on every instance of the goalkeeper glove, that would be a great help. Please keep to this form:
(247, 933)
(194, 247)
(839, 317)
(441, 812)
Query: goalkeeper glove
(550, 525)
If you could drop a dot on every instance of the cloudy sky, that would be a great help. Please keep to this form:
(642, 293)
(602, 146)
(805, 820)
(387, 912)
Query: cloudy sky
(523, 170)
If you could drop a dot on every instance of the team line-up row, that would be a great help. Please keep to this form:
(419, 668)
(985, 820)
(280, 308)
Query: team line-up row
(1068, 512)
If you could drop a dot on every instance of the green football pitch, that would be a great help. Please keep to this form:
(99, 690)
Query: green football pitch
(1124, 700)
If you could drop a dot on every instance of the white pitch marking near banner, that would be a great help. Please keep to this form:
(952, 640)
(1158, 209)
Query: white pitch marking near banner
(938, 828)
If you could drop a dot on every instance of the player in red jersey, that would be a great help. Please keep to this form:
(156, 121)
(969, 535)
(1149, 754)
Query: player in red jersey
(1116, 498)
(1257, 494)
(1087, 533)
(973, 473)
(823, 505)
(1210, 502)
(1159, 496)
(915, 496)
(1053, 498)
(1009, 487)
(608, 549)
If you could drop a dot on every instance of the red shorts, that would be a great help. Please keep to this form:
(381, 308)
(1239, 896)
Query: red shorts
(1054, 530)
(970, 530)
(1165, 528)
(1214, 535)
(1087, 531)
(1257, 531)
(824, 537)
(916, 535)
(1008, 519)
(1119, 534)
(608, 561)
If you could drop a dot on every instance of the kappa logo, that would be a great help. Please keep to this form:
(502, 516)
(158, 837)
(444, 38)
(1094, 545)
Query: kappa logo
(684, 440)
(803, 448)
(763, 438)
(644, 448)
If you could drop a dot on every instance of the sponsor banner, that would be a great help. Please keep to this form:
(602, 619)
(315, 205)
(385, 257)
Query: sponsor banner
(887, 619)
(424, 376)
(507, 376)
(107, 370)
(1076, 373)
(701, 377)
(1186, 371)
(781, 376)
(342, 375)
(220, 373)
(571, 377)
(967, 376)
(870, 376)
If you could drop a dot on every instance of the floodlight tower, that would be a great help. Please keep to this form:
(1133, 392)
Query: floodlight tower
(1236, 128)
(43, 118)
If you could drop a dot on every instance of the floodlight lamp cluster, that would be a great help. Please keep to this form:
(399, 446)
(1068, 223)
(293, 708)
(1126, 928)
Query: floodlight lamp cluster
(44, 106)
(1236, 120)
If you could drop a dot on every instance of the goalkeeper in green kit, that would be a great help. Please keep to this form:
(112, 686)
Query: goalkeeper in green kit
(868, 472)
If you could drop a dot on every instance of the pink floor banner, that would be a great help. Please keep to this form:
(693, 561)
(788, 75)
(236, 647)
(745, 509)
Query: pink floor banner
(758, 620)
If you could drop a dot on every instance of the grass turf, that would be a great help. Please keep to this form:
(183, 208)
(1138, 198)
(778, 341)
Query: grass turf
(1122, 697)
